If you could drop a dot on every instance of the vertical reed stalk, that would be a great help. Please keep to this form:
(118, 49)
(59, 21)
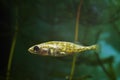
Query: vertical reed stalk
(12, 50)
(76, 39)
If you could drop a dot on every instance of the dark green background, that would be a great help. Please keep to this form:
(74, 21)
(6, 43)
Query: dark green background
(46, 20)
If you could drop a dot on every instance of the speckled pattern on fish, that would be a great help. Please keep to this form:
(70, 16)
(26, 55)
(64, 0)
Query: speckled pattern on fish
(59, 48)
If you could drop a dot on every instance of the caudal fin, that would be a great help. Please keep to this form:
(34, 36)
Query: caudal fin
(96, 48)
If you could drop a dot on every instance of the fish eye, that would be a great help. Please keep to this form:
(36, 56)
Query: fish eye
(36, 48)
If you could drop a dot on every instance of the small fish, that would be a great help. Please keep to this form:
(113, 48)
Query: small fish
(59, 48)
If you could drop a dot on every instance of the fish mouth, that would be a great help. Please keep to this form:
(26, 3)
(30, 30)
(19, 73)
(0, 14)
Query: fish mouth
(30, 50)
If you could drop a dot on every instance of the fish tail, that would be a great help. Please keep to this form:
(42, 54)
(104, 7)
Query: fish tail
(96, 47)
(92, 47)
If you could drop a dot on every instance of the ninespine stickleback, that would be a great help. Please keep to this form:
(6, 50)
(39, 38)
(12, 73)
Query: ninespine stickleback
(59, 48)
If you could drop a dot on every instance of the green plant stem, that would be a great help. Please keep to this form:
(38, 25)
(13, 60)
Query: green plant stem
(11, 56)
(11, 52)
(76, 39)
(111, 77)
(73, 67)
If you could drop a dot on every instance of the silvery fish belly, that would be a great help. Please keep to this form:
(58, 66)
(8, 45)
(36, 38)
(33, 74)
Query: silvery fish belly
(59, 48)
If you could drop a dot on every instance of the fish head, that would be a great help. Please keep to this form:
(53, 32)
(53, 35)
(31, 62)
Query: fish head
(37, 49)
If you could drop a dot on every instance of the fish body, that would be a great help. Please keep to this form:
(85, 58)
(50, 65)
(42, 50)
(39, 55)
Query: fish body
(59, 48)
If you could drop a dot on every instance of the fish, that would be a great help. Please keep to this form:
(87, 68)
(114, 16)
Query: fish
(59, 48)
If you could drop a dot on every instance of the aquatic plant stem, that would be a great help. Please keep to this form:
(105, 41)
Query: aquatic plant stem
(76, 39)
(101, 64)
(77, 23)
(11, 52)
(73, 67)
(110, 73)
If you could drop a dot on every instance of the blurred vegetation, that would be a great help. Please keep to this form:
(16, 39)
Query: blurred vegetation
(44, 20)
